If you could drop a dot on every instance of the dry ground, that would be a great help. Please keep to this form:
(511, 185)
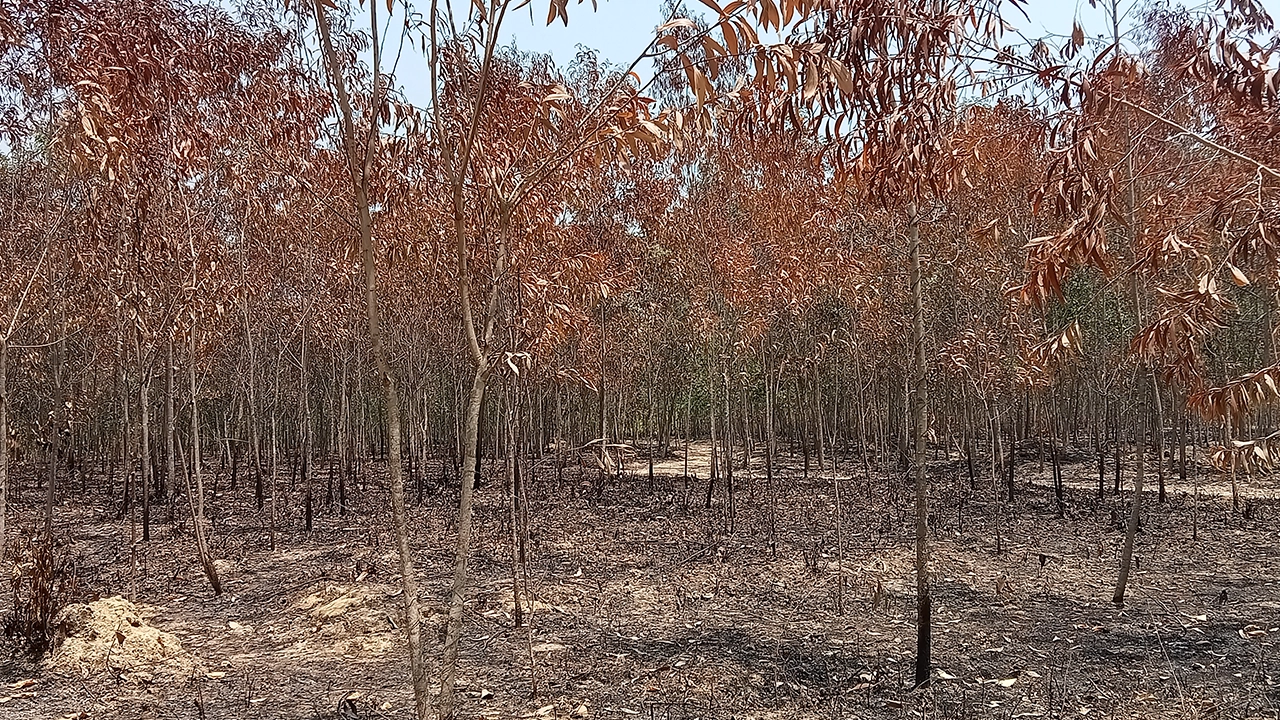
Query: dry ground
(652, 607)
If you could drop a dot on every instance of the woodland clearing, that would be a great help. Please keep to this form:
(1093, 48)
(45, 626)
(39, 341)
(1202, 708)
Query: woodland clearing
(646, 608)
(356, 362)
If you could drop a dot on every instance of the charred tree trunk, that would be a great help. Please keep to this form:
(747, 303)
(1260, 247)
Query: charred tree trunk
(919, 420)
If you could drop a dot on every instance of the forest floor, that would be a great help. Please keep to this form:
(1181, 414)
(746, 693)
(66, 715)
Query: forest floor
(648, 604)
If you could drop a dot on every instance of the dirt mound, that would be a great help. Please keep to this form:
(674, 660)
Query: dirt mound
(109, 634)
(529, 604)
(352, 620)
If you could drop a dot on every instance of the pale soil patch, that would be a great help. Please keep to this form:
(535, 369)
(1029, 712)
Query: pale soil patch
(354, 621)
(109, 635)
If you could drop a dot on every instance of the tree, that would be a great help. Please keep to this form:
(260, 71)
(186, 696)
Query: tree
(1099, 185)
(359, 146)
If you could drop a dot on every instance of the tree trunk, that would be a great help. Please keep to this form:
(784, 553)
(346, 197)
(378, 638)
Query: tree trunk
(1140, 415)
(462, 550)
(513, 490)
(1182, 446)
(770, 391)
(1100, 452)
(919, 420)
(1115, 485)
(196, 498)
(144, 444)
(1140, 451)
(600, 409)
(728, 455)
(166, 491)
(4, 440)
(1157, 438)
(58, 421)
(344, 441)
(359, 160)
(305, 441)
(715, 453)
(275, 465)
(1052, 418)
(1135, 509)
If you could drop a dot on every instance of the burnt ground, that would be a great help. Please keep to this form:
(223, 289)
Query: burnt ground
(650, 607)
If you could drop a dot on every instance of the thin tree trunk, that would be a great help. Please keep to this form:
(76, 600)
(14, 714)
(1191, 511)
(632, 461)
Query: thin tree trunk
(1098, 450)
(462, 550)
(649, 426)
(4, 440)
(839, 505)
(600, 418)
(1157, 437)
(715, 452)
(305, 450)
(919, 420)
(770, 392)
(1052, 418)
(1135, 508)
(59, 419)
(1115, 485)
(688, 430)
(170, 468)
(359, 161)
(196, 498)
(1182, 446)
(1228, 433)
(275, 459)
(144, 443)
(513, 489)
(122, 386)
(344, 440)
(818, 416)
(1140, 415)
(728, 454)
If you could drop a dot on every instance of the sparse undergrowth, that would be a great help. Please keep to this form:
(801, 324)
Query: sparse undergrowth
(641, 606)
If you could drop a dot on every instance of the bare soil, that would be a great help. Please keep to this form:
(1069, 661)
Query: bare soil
(647, 604)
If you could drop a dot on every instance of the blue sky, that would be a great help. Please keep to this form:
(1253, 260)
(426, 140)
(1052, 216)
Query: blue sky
(621, 29)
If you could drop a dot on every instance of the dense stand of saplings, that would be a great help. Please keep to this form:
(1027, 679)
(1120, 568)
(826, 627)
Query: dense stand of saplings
(239, 261)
